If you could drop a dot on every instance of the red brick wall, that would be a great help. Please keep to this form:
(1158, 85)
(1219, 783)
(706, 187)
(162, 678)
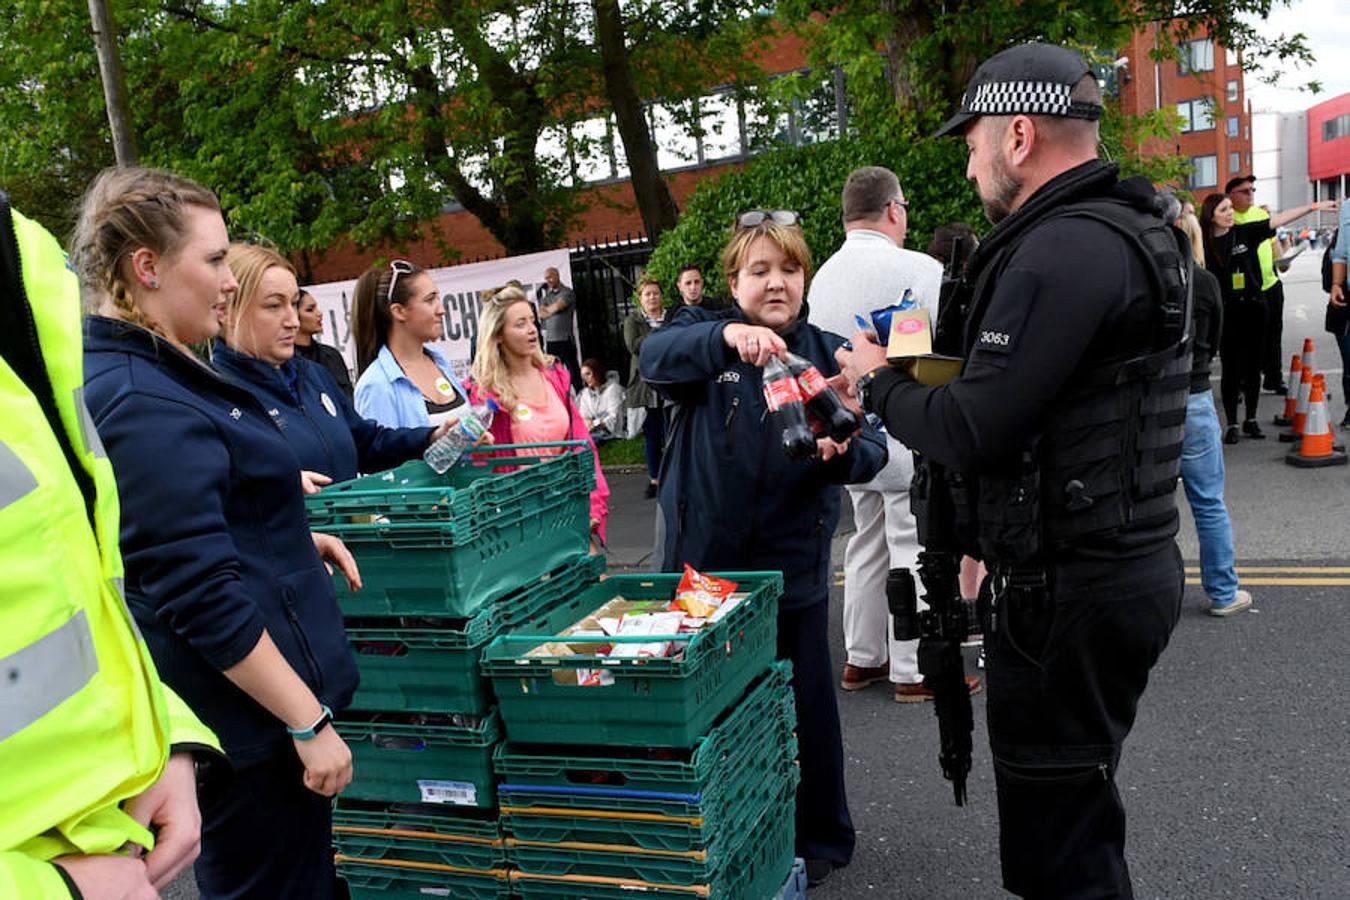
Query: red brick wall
(1149, 81)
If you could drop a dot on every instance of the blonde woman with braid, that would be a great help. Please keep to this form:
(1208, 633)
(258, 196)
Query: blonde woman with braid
(222, 573)
(532, 389)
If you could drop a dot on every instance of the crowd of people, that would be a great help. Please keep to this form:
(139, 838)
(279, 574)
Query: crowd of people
(1058, 446)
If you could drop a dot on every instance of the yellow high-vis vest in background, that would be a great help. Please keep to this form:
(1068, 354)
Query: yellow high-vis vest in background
(85, 723)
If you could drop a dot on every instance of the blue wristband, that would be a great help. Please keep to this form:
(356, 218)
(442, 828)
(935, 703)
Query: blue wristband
(307, 734)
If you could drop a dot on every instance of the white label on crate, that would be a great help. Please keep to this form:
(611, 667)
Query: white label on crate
(459, 793)
(435, 892)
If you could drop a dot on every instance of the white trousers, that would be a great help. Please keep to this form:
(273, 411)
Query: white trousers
(886, 538)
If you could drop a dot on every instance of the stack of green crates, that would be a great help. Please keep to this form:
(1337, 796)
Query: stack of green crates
(448, 562)
(677, 776)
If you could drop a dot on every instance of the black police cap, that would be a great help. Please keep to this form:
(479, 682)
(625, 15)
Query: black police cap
(1237, 182)
(1031, 79)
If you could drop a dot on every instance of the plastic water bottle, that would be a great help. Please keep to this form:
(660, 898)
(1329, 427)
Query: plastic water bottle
(467, 431)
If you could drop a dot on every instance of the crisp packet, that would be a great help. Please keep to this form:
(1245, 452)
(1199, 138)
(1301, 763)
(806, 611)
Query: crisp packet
(700, 595)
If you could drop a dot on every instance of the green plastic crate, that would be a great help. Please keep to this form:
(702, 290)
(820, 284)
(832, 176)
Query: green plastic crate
(681, 803)
(373, 880)
(395, 760)
(414, 576)
(423, 833)
(472, 491)
(436, 669)
(663, 702)
(712, 826)
(757, 868)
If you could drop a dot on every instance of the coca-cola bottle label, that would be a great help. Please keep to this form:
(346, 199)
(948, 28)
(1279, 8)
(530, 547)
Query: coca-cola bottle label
(781, 392)
(811, 382)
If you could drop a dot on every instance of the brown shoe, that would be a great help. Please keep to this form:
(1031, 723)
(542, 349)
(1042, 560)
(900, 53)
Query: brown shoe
(917, 693)
(858, 677)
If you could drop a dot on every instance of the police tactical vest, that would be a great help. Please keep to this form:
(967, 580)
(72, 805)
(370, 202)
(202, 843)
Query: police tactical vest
(1107, 463)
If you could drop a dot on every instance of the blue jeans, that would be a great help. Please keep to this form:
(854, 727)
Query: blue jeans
(1202, 476)
(1343, 342)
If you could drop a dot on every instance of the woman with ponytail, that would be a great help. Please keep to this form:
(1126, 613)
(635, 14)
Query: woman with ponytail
(402, 383)
(223, 576)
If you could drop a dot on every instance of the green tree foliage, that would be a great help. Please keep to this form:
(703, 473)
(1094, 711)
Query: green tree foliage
(318, 121)
(810, 180)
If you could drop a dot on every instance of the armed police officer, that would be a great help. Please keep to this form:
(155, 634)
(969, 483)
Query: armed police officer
(1058, 450)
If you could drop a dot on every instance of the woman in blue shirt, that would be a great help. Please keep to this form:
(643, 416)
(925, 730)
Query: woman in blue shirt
(304, 400)
(396, 311)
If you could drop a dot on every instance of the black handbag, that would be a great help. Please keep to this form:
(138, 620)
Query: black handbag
(1338, 319)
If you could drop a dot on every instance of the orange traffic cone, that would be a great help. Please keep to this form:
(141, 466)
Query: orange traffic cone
(1295, 434)
(1317, 449)
(1285, 419)
(1308, 361)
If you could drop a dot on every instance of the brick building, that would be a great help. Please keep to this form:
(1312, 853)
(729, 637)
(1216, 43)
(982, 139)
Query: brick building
(1206, 89)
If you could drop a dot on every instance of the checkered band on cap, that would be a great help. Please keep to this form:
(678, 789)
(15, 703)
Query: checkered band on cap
(1006, 98)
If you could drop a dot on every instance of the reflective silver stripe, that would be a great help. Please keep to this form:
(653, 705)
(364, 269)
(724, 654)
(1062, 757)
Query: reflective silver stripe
(15, 480)
(87, 430)
(40, 677)
(120, 585)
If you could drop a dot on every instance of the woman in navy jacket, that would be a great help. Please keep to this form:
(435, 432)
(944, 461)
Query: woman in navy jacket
(222, 573)
(732, 499)
(303, 399)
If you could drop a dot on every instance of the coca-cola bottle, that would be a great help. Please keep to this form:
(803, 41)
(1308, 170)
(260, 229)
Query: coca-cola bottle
(785, 403)
(821, 400)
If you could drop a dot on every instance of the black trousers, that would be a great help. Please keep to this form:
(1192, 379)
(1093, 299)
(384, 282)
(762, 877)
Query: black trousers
(824, 827)
(1272, 366)
(269, 838)
(1241, 348)
(566, 351)
(1064, 681)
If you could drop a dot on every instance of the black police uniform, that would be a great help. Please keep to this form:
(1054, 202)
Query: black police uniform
(1065, 432)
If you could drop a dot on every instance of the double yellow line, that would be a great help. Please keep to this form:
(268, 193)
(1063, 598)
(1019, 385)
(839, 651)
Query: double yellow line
(1289, 576)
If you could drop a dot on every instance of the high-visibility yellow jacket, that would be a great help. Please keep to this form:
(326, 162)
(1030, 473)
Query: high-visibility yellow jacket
(85, 723)
(1265, 254)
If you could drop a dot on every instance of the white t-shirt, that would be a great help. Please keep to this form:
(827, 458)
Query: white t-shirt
(870, 272)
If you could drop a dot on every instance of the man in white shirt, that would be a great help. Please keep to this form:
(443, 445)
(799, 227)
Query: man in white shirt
(871, 271)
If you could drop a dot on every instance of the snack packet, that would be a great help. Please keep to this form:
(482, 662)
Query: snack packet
(700, 595)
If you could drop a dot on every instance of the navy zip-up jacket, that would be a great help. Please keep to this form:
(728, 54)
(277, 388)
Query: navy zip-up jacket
(316, 418)
(730, 497)
(214, 535)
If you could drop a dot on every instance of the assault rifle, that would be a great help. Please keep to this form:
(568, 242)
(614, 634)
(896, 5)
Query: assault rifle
(941, 628)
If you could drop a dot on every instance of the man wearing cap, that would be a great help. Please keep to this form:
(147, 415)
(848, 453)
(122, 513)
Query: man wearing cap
(1242, 192)
(1058, 449)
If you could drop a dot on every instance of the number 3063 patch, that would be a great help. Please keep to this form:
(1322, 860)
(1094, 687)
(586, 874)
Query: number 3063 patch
(995, 340)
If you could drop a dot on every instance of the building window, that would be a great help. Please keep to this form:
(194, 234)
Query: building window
(1196, 115)
(1234, 162)
(1234, 125)
(1338, 127)
(1232, 91)
(1204, 172)
(1230, 56)
(1196, 56)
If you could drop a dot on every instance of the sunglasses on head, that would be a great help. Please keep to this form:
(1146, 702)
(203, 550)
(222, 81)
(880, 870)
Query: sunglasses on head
(759, 216)
(398, 267)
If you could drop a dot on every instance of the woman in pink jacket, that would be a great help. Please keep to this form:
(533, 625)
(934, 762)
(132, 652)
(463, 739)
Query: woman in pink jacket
(531, 389)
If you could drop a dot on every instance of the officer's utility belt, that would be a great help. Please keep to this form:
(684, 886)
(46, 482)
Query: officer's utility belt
(1014, 587)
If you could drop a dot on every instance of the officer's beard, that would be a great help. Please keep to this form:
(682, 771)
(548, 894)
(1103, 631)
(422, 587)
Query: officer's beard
(1003, 189)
